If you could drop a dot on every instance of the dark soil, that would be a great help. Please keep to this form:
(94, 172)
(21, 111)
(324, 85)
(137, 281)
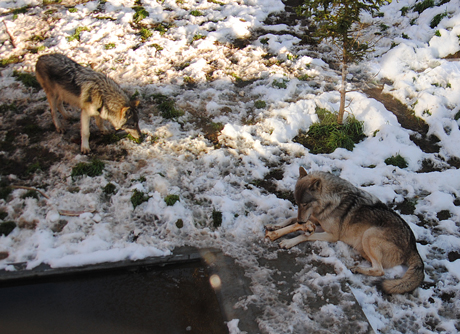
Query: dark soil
(269, 185)
(26, 149)
(26, 156)
(407, 119)
(455, 55)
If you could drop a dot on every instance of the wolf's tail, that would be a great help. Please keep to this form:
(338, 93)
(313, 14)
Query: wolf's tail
(410, 281)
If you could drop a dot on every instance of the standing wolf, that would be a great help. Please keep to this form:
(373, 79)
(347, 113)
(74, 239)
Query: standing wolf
(359, 219)
(98, 96)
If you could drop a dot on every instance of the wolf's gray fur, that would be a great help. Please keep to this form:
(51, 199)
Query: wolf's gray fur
(349, 214)
(63, 80)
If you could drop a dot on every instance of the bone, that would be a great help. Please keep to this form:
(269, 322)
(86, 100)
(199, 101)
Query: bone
(307, 227)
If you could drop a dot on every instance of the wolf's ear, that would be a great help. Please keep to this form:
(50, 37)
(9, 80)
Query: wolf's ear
(135, 103)
(315, 185)
(123, 112)
(302, 172)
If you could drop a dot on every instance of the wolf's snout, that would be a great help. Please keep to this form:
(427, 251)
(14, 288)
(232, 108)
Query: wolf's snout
(136, 133)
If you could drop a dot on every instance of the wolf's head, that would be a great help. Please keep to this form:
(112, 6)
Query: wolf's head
(129, 121)
(307, 192)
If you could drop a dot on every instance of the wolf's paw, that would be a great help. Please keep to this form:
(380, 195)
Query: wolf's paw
(85, 150)
(354, 270)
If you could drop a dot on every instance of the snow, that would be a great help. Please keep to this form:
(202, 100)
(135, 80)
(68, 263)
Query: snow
(253, 141)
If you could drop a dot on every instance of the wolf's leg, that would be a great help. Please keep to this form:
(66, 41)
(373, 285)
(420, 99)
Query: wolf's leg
(308, 227)
(373, 248)
(53, 101)
(100, 124)
(289, 243)
(63, 111)
(287, 222)
(323, 236)
(85, 118)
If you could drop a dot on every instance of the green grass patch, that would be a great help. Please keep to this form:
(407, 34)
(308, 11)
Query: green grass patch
(216, 218)
(162, 28)
(166, 106)
(7, 227)
(217, 2)
(76, 35)
(72, 10)
(188, 80)
(138, 198)
(112, 138)
(10, 60)
(37, 49)
(327, 135)
(109, 189)
(109, 46)
(281, 83)
(259, 104)
(156, 46)
(397, 160)
(404, 10)
(216, 127)
(384, 27)
(136, 140)
(18, 11)
(304, 77)
(237, 78)
(140, 179)
(105, 18)
(145, 33)
(140, 14)
(457, 116)
(436, 19)
(170, 200)
(264, 41)
(93, 168)
(37, 38)
(196, 13)
(27, 79)
(423, 5)
(197, 37)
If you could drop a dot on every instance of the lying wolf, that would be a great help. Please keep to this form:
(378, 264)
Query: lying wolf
(349, 214)
(98, 96)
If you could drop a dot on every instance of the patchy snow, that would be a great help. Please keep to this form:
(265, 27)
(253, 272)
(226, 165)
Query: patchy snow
(201, 62)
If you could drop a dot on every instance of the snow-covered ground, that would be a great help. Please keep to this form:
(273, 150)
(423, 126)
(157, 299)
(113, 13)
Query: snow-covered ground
(212, 60)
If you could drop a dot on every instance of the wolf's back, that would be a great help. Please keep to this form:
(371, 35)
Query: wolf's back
(57, 69)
